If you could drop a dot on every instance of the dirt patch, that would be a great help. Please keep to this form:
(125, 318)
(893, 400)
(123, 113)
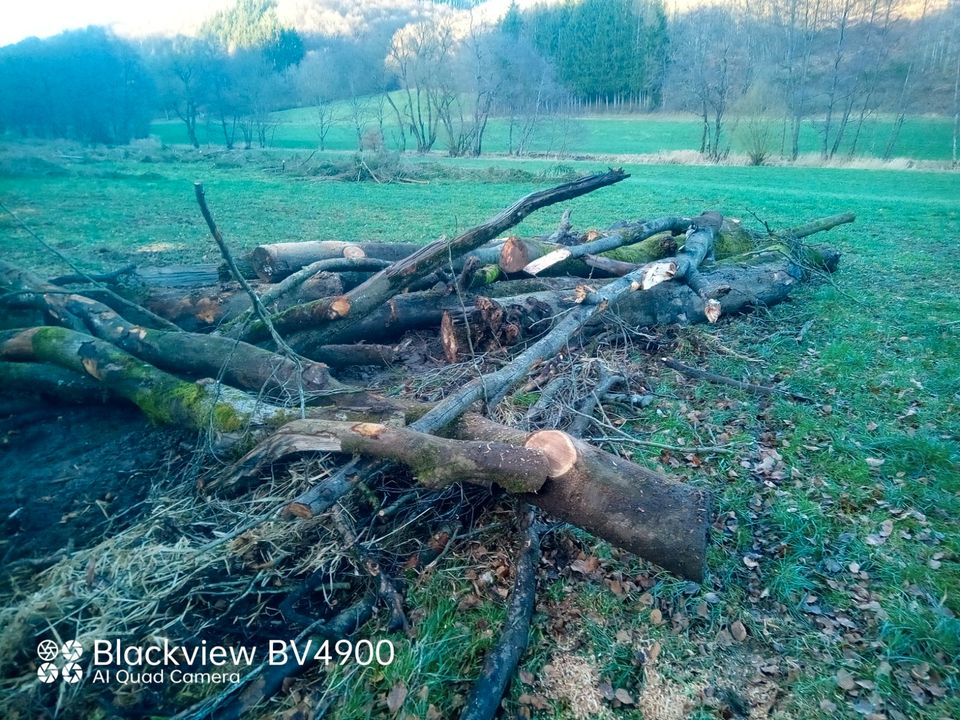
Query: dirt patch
(69, 476)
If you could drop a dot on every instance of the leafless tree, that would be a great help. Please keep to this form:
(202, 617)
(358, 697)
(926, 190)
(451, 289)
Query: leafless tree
(316, 86)
(418, 53)
(710, 72)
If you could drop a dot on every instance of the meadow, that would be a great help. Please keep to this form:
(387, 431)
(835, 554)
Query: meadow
(834, 572)
(920, 138)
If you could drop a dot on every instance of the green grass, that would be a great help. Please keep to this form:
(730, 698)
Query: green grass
(883, 352)
(920, 138)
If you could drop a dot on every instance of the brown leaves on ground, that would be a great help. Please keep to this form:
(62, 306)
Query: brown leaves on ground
(396, 696)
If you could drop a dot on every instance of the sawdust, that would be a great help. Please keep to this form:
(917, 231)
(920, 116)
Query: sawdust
(662, 699)
(575, 680)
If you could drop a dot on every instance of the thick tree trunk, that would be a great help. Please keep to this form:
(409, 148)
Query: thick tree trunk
(630, 506)
(273, 263)
(434, 461)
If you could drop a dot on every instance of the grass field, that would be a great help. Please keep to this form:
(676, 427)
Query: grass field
(921, 138)
(834, 583)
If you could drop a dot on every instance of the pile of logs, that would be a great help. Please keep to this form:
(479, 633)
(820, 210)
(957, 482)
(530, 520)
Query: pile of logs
(253, 352)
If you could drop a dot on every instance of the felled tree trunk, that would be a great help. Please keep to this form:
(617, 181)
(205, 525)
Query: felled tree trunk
(239, 364)
(275, 262)
(163, 397)
(630, 506)
(434, 461)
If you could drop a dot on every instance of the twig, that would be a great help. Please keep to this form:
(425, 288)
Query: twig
(265, 680)
(254, 298)
(723, 380)
(546, 397)
(160, 322)
(585, 412)
(664, 446)
(763, 222)
(501, 662)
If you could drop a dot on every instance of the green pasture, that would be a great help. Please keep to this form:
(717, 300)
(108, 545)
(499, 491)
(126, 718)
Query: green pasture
(920, 138)
(843, 573)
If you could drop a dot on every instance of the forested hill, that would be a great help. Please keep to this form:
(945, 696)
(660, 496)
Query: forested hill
(419, 75)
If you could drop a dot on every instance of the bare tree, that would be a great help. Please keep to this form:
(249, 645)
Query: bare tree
(799, 21)
(315, 80)
(710, 72)
(183, 69)
(417, 55)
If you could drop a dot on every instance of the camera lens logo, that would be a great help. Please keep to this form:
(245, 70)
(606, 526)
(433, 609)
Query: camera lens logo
(48, 650)
(48, 673)
(70, 652)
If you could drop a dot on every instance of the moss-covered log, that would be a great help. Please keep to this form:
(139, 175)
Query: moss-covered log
(164, 398)
(239, 364)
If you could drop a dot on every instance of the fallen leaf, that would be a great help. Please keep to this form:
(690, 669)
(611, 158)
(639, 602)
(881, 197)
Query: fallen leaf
(750, 562)
(656, 616)
(585, 566)
(886, 528)
(623, 696)
(653, 652)
(396, 696)
(738, 631)
(875, 462)
(533, 700)
(845, 680)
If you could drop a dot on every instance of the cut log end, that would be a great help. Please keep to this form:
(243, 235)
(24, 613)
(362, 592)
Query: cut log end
(549, 260)
(340, 307)
(513, 255)
(559, 448)
(354, 252)
(450, 338)
(656, 273)
(712, 310)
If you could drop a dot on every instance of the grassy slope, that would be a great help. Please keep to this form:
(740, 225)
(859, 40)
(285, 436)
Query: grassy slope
(920, 138)
(833, 587)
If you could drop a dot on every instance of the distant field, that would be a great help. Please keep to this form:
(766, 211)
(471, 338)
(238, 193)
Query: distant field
(921, 138)
(850, 600)
(148, 207)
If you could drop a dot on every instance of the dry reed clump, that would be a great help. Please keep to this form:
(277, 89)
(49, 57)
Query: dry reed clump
(175, 574)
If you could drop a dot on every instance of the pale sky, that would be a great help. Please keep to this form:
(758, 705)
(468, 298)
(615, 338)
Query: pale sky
(22, 18)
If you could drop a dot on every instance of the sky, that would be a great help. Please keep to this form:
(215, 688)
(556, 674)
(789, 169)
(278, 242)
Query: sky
(24, 18)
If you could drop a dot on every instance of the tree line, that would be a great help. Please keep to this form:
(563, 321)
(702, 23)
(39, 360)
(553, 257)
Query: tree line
(435, 76)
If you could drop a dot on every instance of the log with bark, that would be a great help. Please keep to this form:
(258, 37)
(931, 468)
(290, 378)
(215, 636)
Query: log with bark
(273, 263)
